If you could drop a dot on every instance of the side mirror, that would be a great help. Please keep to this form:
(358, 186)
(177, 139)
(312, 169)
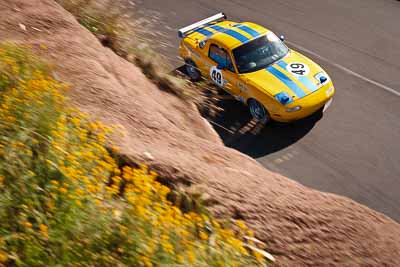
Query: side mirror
(282, 37)
(221, 66)
(202, 44)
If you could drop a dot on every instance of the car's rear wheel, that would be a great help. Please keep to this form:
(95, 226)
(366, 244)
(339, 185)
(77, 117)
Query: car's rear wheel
(258, 111)
(192, 70)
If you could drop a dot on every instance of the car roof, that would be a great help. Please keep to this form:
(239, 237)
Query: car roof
(229, 33)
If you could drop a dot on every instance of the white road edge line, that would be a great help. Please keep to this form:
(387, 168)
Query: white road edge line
(382, 86)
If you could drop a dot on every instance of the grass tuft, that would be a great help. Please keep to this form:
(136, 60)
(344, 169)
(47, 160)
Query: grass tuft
(116, 28)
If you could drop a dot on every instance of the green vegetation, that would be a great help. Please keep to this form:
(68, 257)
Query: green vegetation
(65, 202)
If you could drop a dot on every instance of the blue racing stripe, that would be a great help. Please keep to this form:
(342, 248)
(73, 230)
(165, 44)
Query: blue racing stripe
(282, 64)
(238, 36)
(287, 81)
(303, 79)
(248, 30)
(205, 32)
(308, 83)
(217, 28)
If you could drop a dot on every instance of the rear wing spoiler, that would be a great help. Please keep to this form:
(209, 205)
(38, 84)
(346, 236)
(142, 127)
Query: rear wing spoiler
(182, 32)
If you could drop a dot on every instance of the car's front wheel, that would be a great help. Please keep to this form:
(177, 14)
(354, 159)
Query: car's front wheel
(258, 111)
(192, 70)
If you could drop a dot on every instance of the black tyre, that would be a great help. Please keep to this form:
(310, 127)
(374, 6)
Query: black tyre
(258, 111)
(192, 70)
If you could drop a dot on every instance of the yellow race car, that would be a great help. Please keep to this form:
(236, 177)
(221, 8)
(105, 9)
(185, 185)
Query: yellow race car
(255, 66)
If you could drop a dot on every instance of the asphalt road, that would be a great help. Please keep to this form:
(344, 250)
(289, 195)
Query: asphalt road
(354, 148)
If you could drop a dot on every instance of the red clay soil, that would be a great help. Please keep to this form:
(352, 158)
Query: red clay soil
(301, 226)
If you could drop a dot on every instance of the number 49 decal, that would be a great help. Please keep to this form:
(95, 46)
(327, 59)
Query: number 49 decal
(298, 69)
(216, 76)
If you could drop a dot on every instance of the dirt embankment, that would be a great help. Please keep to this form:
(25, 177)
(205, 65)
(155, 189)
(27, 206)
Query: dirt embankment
(301, 226)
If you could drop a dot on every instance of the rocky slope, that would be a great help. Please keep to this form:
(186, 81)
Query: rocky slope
(302, 227)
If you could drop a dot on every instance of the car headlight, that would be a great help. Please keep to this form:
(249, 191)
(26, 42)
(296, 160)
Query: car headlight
(322, 78)
(293, 109)
(284, 98)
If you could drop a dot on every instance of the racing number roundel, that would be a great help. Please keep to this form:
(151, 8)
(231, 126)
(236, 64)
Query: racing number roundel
(297, 68)
(216, 76)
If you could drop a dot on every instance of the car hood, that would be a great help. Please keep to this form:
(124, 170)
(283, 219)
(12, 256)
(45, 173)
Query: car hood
(295, 75)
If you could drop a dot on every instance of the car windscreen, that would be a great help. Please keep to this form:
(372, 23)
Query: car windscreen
(259, 53)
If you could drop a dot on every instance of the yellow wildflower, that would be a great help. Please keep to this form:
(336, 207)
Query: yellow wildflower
(191, 257)
(63, 190)
(43, 228)
(168, 247)
(259, 256)
(203, 236)
(98, 202)
(123, 228)
(76, 121)
(115, 149)
(3, 257)
(92, 189)
(147, 262)
(241, 225)
(180, 259)
(250, 233)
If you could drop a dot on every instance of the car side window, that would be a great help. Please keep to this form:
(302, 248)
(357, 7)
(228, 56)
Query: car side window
(221, 57)
(229, 64)
(217, 54)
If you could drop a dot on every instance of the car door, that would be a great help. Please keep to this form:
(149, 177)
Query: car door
(221, 69)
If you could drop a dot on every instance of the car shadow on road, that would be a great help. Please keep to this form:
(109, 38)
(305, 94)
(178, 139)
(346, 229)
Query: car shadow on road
(238, 130)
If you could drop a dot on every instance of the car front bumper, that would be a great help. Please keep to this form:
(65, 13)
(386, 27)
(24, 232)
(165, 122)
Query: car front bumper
(310, 104)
